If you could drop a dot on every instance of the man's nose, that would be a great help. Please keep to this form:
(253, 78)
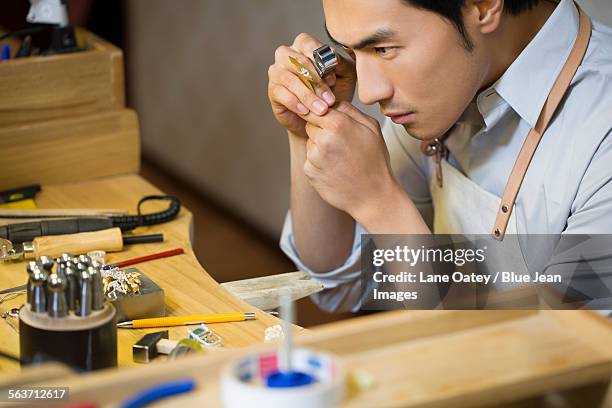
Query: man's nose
(373, 86)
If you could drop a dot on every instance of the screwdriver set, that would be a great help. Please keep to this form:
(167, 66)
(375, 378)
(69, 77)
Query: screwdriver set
(66, 304)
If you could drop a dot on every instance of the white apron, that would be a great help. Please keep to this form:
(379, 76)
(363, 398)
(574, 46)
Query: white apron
(455, 213)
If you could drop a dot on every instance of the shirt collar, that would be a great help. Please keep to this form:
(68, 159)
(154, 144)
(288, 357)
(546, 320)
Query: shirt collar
(527, 82)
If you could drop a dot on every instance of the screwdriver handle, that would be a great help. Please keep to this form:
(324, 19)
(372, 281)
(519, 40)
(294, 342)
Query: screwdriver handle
(108, 240)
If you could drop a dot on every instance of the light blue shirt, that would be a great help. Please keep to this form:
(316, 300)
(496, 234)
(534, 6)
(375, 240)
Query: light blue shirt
(568, 186)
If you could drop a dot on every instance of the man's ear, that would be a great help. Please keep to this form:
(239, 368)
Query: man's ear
(489, 14)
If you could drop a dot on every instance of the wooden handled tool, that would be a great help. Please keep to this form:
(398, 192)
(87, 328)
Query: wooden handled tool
(109, 240)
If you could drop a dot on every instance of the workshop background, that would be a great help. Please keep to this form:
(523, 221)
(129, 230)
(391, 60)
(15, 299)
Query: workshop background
(196, 74)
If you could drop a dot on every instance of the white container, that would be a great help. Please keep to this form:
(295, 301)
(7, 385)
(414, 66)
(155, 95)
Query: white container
(243, 382)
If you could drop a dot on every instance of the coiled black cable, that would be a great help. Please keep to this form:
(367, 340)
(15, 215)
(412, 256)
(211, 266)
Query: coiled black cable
(130, 222)
(67, 224)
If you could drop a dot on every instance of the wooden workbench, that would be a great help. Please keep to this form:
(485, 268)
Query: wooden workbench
(189, 289)
(424, 359)
(417, 359)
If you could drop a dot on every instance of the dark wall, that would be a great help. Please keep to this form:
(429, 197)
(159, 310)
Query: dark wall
(103, 17)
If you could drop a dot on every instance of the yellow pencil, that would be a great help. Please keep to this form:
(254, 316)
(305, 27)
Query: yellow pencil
(185, 320)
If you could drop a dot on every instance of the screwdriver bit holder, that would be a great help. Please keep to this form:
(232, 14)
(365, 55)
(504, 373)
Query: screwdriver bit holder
(67, 318)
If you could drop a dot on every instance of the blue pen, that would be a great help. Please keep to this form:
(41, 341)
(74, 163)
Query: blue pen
(6, 52)
(158, 392)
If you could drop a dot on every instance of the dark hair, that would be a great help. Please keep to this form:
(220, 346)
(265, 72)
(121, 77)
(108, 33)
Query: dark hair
(452, 11)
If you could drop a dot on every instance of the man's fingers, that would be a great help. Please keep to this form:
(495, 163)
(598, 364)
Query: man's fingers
(281, 77)
(338, 117)
(328, 121)
(330, 79)
(312, 131)
(313, 155)
(305, 44)
(310, 144)
(321, 87)
(279, 95)
(283, 60)
(333, 120)
(310, 171)
(349, 109)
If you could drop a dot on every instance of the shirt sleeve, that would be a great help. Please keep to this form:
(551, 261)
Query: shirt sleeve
(343, 286)
(583, 255)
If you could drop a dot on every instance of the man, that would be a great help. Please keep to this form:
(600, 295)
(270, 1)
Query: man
(474, 74)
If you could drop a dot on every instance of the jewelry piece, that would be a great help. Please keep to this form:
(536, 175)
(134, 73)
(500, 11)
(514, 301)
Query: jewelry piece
(9, 315)
(11, 296)
(117, 281)
(205, 336)
(273, 333)
(98, 256)
(304, 74)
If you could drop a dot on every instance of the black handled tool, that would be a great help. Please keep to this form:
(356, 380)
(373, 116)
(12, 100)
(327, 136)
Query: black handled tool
(19, 194)
(25, 232)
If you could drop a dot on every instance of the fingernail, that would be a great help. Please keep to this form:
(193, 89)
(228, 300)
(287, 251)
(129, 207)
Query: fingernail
(329, 97)
(302, 109)
(319, 107)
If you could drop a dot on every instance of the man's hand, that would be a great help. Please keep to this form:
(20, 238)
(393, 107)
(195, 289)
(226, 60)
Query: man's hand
(347, 161)
(290, 98)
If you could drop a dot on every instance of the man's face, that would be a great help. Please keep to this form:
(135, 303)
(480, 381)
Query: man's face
(416, 65)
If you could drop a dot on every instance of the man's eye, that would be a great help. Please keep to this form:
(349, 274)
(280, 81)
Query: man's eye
(386, 52)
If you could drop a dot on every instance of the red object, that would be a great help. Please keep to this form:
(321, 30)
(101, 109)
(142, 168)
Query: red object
(165, 254)
(268, 364)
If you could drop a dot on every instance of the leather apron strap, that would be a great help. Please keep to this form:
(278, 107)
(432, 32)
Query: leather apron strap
(535, 135)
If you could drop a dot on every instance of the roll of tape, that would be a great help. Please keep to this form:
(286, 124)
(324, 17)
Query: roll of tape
(243, 382)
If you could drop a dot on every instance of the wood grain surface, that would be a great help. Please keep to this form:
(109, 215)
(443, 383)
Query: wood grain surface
(70, 149)
(62, 86)
(488, 359)
(189, 289)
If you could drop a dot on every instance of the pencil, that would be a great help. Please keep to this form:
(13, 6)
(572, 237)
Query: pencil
(186, 320)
